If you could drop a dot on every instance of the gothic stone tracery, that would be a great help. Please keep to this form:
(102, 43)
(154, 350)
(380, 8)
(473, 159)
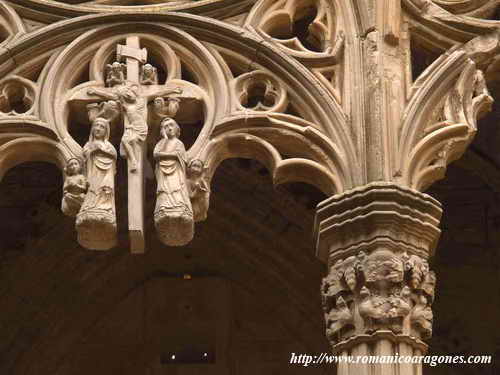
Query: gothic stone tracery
(318, 91)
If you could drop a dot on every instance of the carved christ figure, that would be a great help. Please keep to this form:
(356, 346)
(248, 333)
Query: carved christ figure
(136, 128)
(173, 212)
(135, 107)
(96, 221)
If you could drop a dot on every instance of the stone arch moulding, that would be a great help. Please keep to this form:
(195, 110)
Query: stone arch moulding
(54, 10)
(86, 79)
(440, 119)
(11, 25)
(23, 140)
(440, 24)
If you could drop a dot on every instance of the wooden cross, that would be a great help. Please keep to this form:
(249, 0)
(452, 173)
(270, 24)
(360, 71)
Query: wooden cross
(134, 107)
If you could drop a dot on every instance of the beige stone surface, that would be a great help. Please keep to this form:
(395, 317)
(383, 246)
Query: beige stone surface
(368, 102)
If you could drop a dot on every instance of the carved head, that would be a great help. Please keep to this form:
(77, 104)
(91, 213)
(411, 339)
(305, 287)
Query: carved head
(169, 128)
(148, 70)
(129, 93)
(195, 167)
(100, 129)
(159, 102)
(116, 67)
(113, 104)
(73, 167)
(382, 267)
(173, 106)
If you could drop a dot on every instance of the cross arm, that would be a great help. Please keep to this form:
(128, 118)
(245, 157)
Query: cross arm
(104, 94)
(163, 92)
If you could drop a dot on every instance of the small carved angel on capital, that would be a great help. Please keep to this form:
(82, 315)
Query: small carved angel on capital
(149, 75)
(75, 187)
(115, 74)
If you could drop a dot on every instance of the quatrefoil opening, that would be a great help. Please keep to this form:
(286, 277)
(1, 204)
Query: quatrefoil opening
(259, 91)
(17, 96)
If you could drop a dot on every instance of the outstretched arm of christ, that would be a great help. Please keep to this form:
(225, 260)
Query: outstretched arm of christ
(165, 92)
(103, 94)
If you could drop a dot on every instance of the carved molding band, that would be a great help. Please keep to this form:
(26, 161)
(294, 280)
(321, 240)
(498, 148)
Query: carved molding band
(373, 215)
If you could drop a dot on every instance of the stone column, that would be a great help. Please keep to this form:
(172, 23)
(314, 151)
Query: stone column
(378, 292)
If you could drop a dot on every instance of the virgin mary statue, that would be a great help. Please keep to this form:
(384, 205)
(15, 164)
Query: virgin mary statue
(96, 221)
(173, 212)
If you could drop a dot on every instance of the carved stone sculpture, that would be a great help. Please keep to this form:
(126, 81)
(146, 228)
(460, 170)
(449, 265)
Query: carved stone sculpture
(75, 187)
(129, 97)
(173, 212)
(168, 109)
(291, 84)
(338, 319)
(199, 189)
(379, 287)
(107, 110)
(96, 221)
(149, 75)
(378, 284)
(115, 74)
(136, 128)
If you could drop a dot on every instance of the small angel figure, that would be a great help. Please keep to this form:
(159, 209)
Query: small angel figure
(168, 109)
(199, 191)
(149, 75)
(75, 187)
(115, 74)
(108, 110)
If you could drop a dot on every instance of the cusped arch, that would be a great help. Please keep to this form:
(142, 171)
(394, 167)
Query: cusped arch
(326, 114)
(30, 148)
(440, 120)
(11, 25)
(57, 88)
(291, 152)
(439, 25)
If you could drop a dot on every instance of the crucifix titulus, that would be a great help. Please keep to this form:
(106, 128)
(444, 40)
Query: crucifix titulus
(133, 95)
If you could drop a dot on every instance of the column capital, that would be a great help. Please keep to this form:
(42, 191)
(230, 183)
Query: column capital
(376, 240)
(377, 215)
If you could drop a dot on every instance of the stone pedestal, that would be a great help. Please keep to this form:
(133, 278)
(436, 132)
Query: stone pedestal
(378, 293)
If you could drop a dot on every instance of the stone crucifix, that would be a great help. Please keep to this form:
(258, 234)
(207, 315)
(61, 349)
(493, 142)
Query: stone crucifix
(133, 95)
